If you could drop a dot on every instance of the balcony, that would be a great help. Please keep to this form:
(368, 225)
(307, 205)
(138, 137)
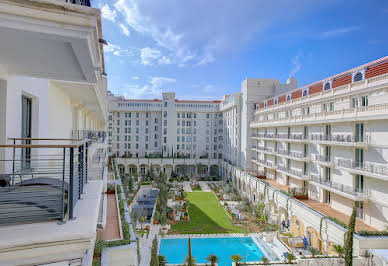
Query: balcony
(94, 135)
(263, 163)
(340, 140)
(42, 179)
(291, 172)
(323, 160)
(293, 137)
(300, 193)
(362, 168)
(298, 156)
(77, 2)
(343, 190)
(266, 150)
(269, 136)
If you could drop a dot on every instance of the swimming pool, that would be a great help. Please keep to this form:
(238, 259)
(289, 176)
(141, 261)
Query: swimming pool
(175, 249)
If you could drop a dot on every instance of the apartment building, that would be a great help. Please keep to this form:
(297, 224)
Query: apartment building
(328, 140)
(169, 127)
(53, 111)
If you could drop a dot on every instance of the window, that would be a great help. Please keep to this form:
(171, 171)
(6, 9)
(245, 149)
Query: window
(359, 209)
(359, 182)
(305, 92)
(357, 77)
(165, 104)
(165, 123)
(146, 122)
(165, 114)
(146, 114)
(331, 106)
(327, 174)
(288, 97)
(137, 115)
(276, 100)
(327, 86)
(156, 120)
(178, 115)
(364, 100)
(359, 132)
(327, 197)
(265, 104)
(207, 115)
(359, 157)
(137, 122)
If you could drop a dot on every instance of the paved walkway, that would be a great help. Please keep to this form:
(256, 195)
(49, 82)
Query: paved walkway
(186, 186)
(146, 245)
(204, 186)
(112, 229)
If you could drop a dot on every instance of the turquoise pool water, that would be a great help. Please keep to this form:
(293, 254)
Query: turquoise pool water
(175, 250)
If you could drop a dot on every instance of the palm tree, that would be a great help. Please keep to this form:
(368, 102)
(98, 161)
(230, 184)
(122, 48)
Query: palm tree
(339, 250)
(190, 262)
(313, 252)
(290, 257)
(236, 258)
(213, 259)
(265, 260)
(162, 260)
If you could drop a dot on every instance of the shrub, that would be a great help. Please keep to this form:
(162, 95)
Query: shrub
(154, 253)
(348, 248)
(290, 257)
(372, 233)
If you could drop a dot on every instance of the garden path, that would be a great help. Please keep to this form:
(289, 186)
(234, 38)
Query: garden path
(187, 186)
(146, 245)
(204, 186)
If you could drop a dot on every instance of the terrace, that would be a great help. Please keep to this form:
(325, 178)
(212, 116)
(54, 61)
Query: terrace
(329, 211)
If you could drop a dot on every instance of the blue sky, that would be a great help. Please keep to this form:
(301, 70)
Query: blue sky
(204, 49)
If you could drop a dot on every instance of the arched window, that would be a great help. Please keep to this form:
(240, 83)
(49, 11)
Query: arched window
(289, 97)
(276, 100)
(265, 104)
(357, 77)
(305, 92)
(327, 86)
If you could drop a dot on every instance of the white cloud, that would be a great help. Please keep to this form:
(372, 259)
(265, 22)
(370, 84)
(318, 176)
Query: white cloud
(337, 32)
(209, 88)
(297, 65)
(124, 29)
(108, 13)
(153, 89)
(193, 34)
(117, 50)
(149, 56)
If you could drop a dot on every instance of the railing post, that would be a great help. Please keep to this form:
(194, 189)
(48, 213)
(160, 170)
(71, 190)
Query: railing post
(13, 162)
(71, 184)
(80, 170)
(86, 162)
(63, 187)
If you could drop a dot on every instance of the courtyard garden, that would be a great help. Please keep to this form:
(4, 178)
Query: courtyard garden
(206, 216)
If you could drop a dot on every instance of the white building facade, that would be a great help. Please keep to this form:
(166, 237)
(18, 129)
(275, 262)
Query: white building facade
(52, 97)
(328, 140)
(191, 129)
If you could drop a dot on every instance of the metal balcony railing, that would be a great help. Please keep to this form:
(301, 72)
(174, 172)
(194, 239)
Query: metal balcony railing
(292, 171)
(79, 2)
(362, 166)
(94, 135)
(41, 179)
(340, 138)
(357, 192)
(266, 149)
(298, 192)
(322, 158)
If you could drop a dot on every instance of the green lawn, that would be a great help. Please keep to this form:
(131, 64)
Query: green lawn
(206, 216)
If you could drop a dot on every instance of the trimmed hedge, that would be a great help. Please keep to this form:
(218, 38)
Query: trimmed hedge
(372, 233)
